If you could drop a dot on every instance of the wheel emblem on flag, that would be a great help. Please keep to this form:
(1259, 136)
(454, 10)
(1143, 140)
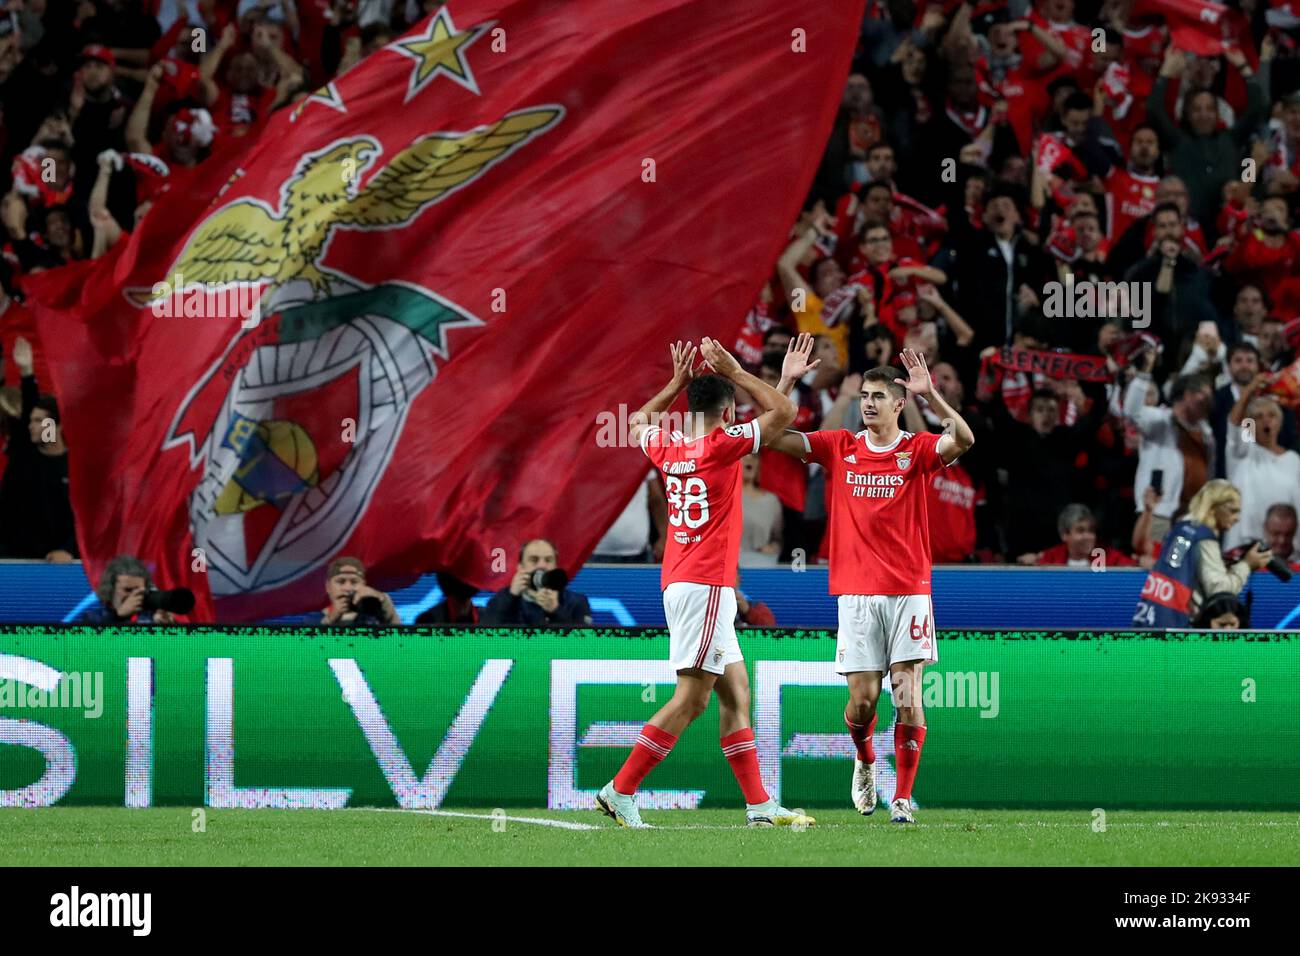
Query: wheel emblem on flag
(295, 425)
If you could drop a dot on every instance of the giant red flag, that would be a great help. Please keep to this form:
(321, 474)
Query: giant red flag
(465, 253)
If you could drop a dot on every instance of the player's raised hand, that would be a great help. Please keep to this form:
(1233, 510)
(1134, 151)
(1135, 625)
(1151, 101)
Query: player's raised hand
(796, 363)
(918, 375)
(683, 363)
(719, 359)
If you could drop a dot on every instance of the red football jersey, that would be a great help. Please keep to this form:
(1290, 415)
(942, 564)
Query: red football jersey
(1129, 197)
(702, 480)
(877, 517)
(952, 499)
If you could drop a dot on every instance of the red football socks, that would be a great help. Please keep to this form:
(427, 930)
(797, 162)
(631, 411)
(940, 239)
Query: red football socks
(908, 741)
(741, 753)
(652, 745)
(862, 738)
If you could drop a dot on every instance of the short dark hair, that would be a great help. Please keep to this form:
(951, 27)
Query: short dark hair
(709, 394)
(877, 146)
(1013, 191)
(875, 184)
(1078, 100)
(1167, 207)
(1046, 393)
(1242, 347)
(1034, 325)
(776, 330)
(50, 404)
(1060, 83)
(887, 374)
(1186, 383)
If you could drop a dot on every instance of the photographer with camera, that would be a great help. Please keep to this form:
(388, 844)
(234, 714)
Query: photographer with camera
(538, 593)
(127, 595)
(353, 603)
(1192, 568)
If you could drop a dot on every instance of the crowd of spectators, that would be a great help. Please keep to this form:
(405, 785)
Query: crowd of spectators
(987, 154)
(981, 153)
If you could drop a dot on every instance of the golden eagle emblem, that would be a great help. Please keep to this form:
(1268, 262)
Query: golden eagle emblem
(248, 241)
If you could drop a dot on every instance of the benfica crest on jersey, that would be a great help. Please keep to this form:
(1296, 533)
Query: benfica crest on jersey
(904, 458)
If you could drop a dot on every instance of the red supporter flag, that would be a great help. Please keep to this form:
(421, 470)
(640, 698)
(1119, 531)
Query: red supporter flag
(1050, 153)
(401, 325)
(1194, 25)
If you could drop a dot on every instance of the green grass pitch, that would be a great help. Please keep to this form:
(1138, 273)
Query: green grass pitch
(166, 837)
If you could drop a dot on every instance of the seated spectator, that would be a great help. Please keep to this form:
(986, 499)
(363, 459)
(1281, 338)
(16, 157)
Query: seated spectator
(352, 602)
(1279, 531)
(456, 606)
(1261, 469)
(526, 603)
(760, 543)
(1223, 612)
(121, 592)
(1077, 527)
(35, 510)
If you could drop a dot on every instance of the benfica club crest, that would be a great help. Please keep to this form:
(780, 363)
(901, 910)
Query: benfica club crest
(903, 458)
(296, 423)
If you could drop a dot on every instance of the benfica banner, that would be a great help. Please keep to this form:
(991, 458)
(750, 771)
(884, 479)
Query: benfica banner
(1063, 365)
(391, 329)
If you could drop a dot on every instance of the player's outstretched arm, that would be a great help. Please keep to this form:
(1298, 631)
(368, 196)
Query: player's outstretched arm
(683, 354)
(957, 437)
(798, 362)
(778, 409)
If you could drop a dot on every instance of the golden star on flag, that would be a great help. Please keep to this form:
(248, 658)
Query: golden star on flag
(440, 51)
(327, 94)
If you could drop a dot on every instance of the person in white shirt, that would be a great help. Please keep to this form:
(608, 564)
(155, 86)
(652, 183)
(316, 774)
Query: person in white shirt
(760, 542)
(628, 538)
(1263, 471)
(1166, 436)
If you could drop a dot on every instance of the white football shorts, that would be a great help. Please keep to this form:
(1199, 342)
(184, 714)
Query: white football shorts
(701, 626)
(877, 630)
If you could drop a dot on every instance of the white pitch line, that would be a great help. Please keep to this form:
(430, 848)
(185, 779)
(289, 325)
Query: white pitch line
(540, 821)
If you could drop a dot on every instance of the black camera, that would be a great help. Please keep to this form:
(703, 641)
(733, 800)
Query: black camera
(176, 601)
(555, 579)
(369, 605)
(1276, 566)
